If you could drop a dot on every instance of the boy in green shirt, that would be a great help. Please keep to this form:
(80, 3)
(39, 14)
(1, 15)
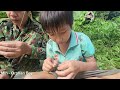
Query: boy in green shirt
(71, 52)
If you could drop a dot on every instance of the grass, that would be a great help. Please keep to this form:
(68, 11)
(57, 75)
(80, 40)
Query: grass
(105, 35)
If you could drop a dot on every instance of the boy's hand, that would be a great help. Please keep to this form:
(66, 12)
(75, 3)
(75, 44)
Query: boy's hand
(68, 69)
(49, 64)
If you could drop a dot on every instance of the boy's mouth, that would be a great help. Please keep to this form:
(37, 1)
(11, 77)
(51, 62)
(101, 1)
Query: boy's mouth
(60, 43)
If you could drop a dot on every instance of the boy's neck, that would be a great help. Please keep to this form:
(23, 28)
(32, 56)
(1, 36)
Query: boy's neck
(63, 47)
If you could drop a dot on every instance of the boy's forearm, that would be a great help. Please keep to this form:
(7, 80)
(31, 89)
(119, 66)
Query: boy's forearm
(86, 66)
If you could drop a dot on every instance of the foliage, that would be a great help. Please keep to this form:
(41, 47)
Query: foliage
(105, 35)
(3, 14)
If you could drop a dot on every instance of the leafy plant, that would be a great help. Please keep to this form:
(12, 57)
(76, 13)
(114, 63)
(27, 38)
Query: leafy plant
(3, 14)
(105, 35)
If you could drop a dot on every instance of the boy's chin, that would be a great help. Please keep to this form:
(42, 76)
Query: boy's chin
(61, 43)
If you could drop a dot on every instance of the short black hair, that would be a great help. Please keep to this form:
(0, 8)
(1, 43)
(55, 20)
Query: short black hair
(55, 19)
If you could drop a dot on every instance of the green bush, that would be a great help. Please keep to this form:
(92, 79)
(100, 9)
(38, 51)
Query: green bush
(105, 35)
(3, 14)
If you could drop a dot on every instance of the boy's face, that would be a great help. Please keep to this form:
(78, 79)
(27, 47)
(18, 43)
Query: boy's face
(61, 36)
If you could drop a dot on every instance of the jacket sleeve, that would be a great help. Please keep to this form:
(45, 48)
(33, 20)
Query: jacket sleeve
(2, 27)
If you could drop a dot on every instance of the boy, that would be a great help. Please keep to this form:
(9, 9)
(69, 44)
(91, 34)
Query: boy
(71, 52)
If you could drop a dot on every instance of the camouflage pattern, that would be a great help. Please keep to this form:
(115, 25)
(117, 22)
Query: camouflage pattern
(34, 36)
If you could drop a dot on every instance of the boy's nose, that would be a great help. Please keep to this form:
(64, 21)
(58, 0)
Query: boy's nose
(59, 40)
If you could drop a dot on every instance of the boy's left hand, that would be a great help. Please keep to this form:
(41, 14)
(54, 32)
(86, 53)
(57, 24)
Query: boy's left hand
(68, 69)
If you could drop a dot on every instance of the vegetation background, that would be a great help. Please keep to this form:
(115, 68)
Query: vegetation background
(104, 31)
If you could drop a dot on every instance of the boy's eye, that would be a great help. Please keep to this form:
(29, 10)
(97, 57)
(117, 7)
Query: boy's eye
(51, 34)
(63, 32)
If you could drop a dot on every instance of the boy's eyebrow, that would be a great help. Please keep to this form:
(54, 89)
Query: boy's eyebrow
(51, 31)
(56, 30)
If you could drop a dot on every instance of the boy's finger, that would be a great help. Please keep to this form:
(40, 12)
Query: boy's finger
(56, 57)
(55, 64)
(47, 65)
(63, 66)
(70, 76)
(46, 69)
(63, 73)
(49, 62)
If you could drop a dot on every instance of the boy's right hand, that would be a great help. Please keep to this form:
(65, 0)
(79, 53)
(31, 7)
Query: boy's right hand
(49, 64)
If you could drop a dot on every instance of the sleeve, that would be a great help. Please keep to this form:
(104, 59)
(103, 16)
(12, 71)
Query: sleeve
(2, 27)
(38, 47)
(87, 47)
(37, 41)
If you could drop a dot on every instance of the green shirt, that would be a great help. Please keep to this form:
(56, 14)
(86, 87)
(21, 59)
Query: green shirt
(31, 34)
(80, 47)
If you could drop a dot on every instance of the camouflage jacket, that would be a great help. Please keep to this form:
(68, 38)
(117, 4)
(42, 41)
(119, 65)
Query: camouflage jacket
(33, 35)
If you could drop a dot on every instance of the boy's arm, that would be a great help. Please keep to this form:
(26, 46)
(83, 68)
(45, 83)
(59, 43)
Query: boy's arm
(90, 64)
(88, 52)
